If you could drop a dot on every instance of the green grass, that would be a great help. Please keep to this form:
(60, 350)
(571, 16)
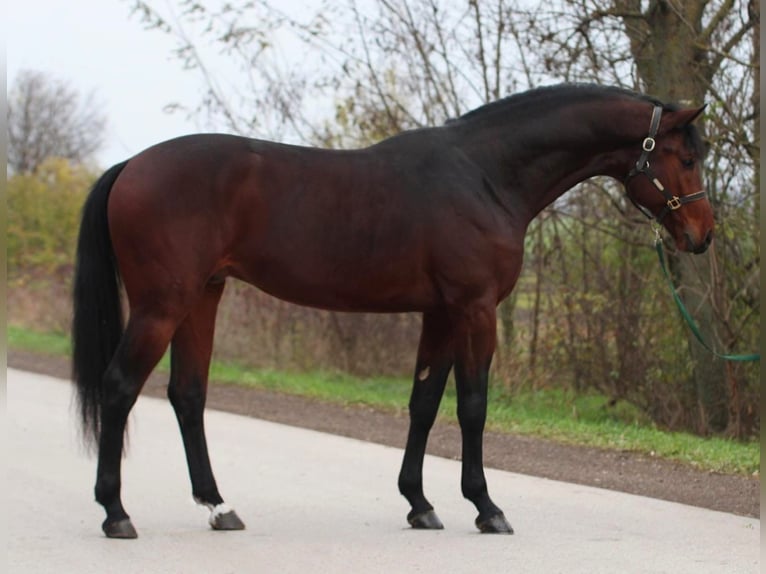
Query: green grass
(50, 343)
(551, 414)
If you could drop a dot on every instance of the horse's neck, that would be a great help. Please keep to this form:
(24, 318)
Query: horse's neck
(537, 158)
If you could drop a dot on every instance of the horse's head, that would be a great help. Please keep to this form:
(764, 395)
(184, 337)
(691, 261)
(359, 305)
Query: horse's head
(666, 181)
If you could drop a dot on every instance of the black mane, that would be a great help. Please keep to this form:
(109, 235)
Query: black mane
(548, 96)
(539, 99)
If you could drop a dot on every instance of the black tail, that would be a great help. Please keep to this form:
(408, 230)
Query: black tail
(97, 325)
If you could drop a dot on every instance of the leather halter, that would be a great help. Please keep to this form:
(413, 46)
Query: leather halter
(672, 202)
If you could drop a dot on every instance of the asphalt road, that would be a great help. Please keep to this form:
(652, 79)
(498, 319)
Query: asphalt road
(317, 503)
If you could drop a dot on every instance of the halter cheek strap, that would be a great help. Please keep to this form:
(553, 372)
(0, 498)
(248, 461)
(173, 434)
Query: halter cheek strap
(672, 202)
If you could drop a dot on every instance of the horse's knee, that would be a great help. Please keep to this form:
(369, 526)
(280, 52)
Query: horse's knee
(472, 412)
(423, 415)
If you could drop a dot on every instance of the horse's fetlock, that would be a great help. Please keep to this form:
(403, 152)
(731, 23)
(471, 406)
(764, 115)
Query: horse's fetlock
(107, 489)
(409, 484)
(474, 488)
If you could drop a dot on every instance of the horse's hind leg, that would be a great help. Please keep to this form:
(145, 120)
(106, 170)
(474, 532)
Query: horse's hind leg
(145, 339)
(432, 369)
(190, 360)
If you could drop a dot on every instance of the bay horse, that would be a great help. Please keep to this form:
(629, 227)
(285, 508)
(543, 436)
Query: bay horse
(430, 220)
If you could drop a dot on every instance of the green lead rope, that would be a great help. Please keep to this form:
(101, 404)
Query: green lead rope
(688, 318)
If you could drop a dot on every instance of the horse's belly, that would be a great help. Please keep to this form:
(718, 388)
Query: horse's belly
(340, 288)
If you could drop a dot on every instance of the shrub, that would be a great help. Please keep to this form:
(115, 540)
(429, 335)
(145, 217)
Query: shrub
(44, 215)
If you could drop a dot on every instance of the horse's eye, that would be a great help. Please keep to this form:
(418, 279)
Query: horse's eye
(688, 163)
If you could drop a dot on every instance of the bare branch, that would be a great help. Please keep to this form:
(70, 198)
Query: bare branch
(723, 12)
(725, 51)
(480, 39)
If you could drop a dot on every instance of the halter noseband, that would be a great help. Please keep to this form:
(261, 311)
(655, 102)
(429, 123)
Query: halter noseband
(672, 202)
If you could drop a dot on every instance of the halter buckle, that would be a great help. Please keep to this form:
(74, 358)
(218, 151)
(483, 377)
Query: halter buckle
(648, 144)
(674, 203)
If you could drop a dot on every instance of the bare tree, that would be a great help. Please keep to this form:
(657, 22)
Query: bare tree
(49, 118)
(694, 51)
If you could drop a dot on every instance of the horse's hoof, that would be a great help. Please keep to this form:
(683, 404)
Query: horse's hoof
(225, 519)
(495, 524)
(425, 520)
(120, 529)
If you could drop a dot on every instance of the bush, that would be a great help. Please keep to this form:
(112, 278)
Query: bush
(44, 216)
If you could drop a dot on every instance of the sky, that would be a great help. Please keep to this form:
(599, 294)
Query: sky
(97, 46)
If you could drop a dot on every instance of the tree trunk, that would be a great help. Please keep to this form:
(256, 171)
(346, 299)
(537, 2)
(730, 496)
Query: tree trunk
(673, 67)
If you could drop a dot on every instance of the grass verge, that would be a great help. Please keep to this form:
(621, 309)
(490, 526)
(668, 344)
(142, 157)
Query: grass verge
(550, 414)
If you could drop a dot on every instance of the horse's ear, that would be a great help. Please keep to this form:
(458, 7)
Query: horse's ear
(695, 113)
(680, 118)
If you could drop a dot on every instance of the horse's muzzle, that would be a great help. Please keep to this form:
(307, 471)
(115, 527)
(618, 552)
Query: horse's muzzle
(698, 247)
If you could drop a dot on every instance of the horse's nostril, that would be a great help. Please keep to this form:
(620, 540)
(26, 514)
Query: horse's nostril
(698, 247)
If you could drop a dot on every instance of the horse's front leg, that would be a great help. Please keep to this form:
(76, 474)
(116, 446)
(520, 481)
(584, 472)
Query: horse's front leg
(474, 347)
(431, 371)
